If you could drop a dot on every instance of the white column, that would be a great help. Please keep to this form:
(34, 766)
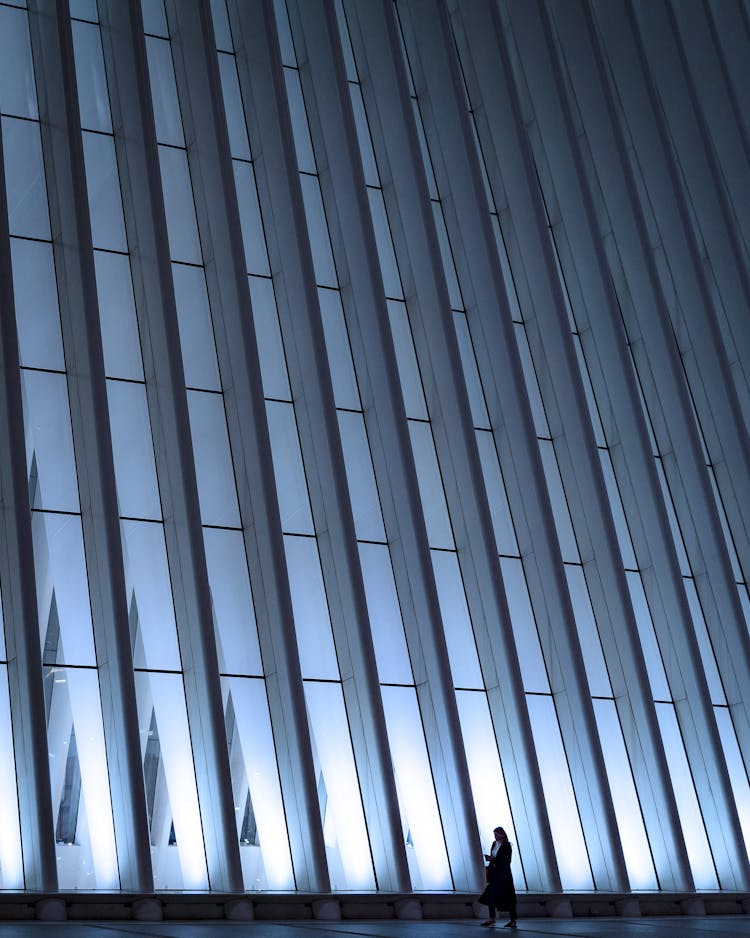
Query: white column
(62, 147)
(145, 222)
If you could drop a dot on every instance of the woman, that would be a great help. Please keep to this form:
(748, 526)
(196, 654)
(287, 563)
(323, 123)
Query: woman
(500, 892)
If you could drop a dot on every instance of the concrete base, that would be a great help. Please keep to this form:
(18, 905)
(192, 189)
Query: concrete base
(356, 906)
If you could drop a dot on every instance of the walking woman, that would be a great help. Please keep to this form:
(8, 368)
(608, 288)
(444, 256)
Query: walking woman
(500, 892)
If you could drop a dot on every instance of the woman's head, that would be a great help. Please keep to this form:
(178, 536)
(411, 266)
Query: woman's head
(500, 835)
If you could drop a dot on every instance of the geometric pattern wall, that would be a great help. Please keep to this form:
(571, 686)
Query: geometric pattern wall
(374, 455)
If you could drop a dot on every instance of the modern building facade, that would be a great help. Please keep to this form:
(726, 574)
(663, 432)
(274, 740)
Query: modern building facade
(374, 456)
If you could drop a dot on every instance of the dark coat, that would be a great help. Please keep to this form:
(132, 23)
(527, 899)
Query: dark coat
(499, 879)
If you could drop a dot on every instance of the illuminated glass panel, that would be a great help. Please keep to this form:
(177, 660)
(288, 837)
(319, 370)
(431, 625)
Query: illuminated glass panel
(630, 825)
(49, 442)
(177, 852)
(388, 638)
(459, 637)
(11, 857)
(344, 829)
(37, 312)
(533, 671)
(65, 627)
(567, 834)
(486, 774)
(84, 828)
(17, 88)
(232, 602)
(693, 829)
(311, 619)
(420, 818)
(261, 825)
(28, 216)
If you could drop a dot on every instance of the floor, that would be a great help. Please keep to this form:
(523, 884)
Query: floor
(723, 926)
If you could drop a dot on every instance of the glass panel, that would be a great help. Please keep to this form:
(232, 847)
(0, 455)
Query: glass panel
(268, 336)
(510, 286)
(164, 92)
(479, 415)
(345, 391)
(182, 227)
(426, 161)
(618, 513)
(285, 34)
(64, 610)
(657, 676)
(37, 312)
(439, 533)
(388, 266)
(17, 88)
(532, 386)
(230, 86)
(320, 244)
(300, 130)
(560, 512)
(729, 541)
(351, 70)
(708, 659)
(135, 469)
(486, 773)
(406, 359)
(222, 31)
(459, 636)
(363, 136)
(363, 492)
(688, 808)
(420, 817)
(84, 9)
(49, 441)
(256, 257)
(502, 522)
(567, 835)
(24, 179)
(530, 659)
(264, 840)
(317, 654)
(234, 614)
(177, 852)
(588, 634)
(153, 631)
(596, 423)
(196, 332)
(344, 828)
(103, 183)
(84, 827)
(217, 494)
(454, 291)
(391, 654)
(736, 768)
(91, 80)
(633, 838)
(120, 341)
(744, 602)
(674, 526)
(11, 856)
(154, 18)
(3, 656)
(291, 486)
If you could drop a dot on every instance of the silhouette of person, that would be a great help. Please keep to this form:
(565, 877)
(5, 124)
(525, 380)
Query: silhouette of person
(500, 892)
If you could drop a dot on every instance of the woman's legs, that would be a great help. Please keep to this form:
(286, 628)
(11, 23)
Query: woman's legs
(512, 907)
(490, 915)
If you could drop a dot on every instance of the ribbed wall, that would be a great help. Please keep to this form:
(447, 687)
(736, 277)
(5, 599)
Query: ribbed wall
(374, 455)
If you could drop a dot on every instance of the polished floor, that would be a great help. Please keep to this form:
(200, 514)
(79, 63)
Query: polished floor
(724, 926)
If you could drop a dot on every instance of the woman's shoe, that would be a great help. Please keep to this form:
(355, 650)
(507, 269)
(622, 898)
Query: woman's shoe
(490, 921)
(510, 924)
